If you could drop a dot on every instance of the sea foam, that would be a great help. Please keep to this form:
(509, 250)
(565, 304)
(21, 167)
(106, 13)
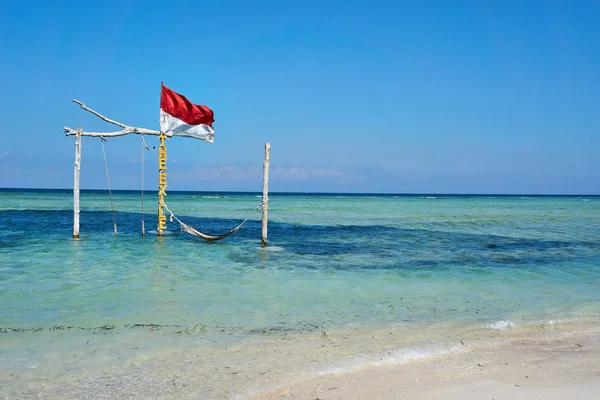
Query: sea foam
(391, 358)
(502, 324)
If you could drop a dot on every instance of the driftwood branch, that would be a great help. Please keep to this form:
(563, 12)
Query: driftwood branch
(96, 113)
(126, 128)
(126, 131)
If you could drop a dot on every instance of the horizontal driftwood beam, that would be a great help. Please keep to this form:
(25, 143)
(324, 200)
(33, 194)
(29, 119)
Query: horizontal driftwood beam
(126, 131)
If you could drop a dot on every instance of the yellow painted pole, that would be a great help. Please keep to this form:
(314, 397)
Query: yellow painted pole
(162, 184)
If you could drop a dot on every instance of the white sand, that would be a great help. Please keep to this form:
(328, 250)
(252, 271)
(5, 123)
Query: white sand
(543, 368)
(545, 361)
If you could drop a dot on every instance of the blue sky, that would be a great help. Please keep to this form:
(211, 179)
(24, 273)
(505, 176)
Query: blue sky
(404, 97)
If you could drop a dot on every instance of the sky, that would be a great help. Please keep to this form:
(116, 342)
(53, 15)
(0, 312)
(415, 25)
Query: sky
(382, 96)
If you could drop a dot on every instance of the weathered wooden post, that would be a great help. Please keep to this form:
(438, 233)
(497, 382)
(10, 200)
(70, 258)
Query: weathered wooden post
(143, 148)
(76, 183)
(162, 185)
(265, 196)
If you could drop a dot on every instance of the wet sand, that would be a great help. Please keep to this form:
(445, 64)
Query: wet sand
(548, 361)
(537, 368)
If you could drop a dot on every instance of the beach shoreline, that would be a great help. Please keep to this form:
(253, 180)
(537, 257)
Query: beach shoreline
(556, 360)
(566, 367)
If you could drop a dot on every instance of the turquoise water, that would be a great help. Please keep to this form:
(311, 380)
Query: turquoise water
(334, 262)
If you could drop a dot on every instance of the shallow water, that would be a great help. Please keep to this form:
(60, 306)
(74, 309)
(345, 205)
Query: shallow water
(419, 266)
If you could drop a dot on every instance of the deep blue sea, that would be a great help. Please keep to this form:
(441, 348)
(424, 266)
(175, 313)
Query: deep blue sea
(115, 310)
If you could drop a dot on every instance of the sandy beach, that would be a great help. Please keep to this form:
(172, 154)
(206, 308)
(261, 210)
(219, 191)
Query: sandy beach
(538, 368)
(557, 361)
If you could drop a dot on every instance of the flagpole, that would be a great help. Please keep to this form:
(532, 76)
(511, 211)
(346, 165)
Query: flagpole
(162, 185)
(162, 179)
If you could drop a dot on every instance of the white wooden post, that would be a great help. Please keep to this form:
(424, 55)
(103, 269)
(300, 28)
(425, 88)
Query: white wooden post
(76, 183)
(265, 198)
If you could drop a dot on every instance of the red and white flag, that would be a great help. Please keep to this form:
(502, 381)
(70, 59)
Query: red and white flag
(182, 118)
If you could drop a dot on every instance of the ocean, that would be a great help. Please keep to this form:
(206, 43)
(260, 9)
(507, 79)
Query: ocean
(347, 281)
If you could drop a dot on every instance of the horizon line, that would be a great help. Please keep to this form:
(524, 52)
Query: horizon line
(316, 192)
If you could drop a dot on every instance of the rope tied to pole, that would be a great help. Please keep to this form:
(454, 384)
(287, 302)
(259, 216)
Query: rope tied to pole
(144, 145)
(102, 140)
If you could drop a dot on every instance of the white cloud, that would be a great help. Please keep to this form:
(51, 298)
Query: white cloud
(326, 173)
(218, 173)
(289, 174)
(232, 172)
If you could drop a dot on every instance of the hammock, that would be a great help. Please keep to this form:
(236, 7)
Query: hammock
(192, 231)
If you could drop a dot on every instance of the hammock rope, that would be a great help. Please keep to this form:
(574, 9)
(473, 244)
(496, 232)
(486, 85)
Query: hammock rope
(192, 231)
(144, 145)
(112, 206)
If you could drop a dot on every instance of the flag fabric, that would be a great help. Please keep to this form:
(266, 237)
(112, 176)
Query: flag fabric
(182, 118)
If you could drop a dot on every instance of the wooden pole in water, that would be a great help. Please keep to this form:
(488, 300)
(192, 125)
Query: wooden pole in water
(143, 145)
(162, 185)
(162, 178)
(76, 183)
(265, 198)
